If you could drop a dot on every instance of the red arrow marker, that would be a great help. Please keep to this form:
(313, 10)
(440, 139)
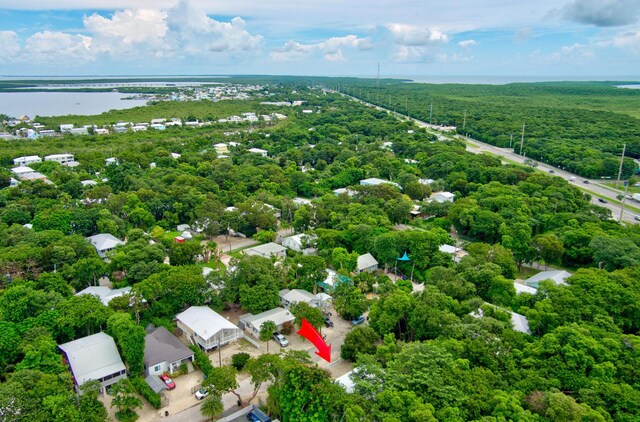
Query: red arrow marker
(309, 332)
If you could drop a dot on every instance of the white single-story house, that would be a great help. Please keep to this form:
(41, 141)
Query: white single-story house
(345, 191)
(346, 381)
(367, 263)
(252, 323)
(206, 328)
(101, 131)
(267, 250)
(557, 276)
(59, 158)
(262, 152)
(523, 288)
(104, 242)
(519, 322)
(301, 201)
(458, 253)
(442, 197)
(426, 181)
(164, 352)
(303, 243)
(79, 131)
(291, 297)
(221, 148)
(105, 294)
(94, 357)
(25, 161)
(110, 160)
(88, 182)
(66, 128)
(183, 227)
(374, 181)
(175, 155)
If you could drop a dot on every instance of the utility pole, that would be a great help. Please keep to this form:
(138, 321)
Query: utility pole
(624, 198)
(430, 113)
(464, 120)
(522, 139)
(624, 148)
(511, 141)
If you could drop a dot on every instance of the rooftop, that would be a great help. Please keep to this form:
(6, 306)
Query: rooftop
(162, 346)
(365, 261)
(204, 321)
(92, 357)
(277, 315)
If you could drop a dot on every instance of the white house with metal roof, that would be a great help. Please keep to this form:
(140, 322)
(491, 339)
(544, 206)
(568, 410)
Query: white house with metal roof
(252, 323)
(267, 250)
(303, 243)
(94, 357)
(519, 322)
(367, 263)
(442, 197)
(374, 181)
(59, 158)
(26, 160)
(458, 253)
(523, 288)
(259, 151)
(557, 276)
(103, 293)
(104, 242)
(207, 328)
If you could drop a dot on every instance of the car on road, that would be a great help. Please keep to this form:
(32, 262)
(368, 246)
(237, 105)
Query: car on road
(637, 217)
(257, 415)
(328, 322)
(201, 393)
(586, 182)
(280, 339)
(572, 179)
(602, 200)
(358, 320)
(551, 171)
(168, 381)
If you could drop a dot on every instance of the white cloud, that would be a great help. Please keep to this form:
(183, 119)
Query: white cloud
(57, 47)
(628, 40)
(411, 35)
(467, 43)
(193, 32)
(571, 54)
(523, 34)
(331, 48)
(9, 45)
(180, 32)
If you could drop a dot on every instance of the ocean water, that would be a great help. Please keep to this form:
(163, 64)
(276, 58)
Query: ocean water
(16, 104)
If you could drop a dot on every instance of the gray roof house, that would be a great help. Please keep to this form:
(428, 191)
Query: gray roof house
(267, 250)
(519, 322)
(104, 242)
(367, 263)
(291, 297)
(206, 328)
(252, 323)
(94, 358)
(164, 352)
(557, 276)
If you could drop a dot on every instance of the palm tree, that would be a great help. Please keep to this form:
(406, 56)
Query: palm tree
(212, 406)
(266, 331)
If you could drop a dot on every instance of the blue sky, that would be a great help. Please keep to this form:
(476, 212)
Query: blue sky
(311, 37)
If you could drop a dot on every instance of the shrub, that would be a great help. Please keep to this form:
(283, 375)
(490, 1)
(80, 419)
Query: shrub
(239, 360)
(145, 391)
(201, 360)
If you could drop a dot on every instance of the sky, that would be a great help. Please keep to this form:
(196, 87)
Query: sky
(562, 38)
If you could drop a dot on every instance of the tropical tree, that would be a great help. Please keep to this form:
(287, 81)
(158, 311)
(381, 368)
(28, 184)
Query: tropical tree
(125, 401)
(266, 331)
(212, 406)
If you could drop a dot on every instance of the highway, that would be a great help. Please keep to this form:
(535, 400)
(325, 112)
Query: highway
(593, 187)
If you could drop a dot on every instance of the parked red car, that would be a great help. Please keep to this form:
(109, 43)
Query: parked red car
(168, 381)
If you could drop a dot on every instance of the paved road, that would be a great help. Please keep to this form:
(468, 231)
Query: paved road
(593, 187)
